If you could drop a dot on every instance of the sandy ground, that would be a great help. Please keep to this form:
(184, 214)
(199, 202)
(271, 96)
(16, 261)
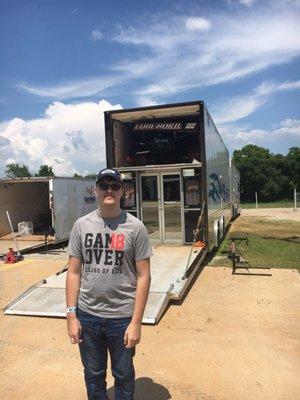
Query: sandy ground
(273, 213)
(233, 337)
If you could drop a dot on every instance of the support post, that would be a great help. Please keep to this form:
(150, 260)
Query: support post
(13, 233)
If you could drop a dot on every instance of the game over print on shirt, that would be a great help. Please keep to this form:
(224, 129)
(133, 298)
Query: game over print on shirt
(104, 253)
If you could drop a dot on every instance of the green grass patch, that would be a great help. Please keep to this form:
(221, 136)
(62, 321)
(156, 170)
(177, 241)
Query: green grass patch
(276, 204)
(266, 252)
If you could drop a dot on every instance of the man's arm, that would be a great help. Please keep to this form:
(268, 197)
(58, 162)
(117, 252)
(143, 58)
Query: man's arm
(133, 332)
(72, 292)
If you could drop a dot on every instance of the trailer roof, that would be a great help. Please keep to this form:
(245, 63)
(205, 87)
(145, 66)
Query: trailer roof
(175, 109)
(39, 179)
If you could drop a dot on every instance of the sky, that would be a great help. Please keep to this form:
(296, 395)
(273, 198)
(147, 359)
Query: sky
(63, 63)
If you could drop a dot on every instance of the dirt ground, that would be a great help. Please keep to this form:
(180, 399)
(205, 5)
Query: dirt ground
(233, 337)
(273, 213)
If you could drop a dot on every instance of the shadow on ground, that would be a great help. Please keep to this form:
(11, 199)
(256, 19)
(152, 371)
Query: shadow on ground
(146, 389)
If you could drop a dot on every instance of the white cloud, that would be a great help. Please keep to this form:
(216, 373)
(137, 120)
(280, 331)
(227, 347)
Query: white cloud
(288, 129)
(96, 35)
(178, 52)
(181, 59)
(144, 101)
(74, 89)
(247, 3)
(237, 107)
(70, 138)
(197, 24)
(278, 140)
(229, 112)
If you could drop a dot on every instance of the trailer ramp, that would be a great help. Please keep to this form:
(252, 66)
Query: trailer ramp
(169, 281)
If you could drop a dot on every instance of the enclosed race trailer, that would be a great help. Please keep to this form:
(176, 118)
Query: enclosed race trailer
(176, 175)
(174, 162)
(51, 204)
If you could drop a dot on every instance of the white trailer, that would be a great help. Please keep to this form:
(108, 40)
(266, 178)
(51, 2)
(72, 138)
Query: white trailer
(175, 168)
(51, 204)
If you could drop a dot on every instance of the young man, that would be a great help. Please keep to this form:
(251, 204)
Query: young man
(107, 286)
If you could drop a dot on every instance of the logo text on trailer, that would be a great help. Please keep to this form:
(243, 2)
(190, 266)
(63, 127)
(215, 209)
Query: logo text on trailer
(150, 126)
(90, 198)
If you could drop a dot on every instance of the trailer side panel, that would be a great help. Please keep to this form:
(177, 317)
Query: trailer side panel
(71, 199)
(218, 181)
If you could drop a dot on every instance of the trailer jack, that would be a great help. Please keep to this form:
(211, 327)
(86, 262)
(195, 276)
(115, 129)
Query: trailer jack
(238, 259)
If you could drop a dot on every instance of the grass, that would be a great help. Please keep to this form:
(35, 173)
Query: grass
(271, 243)
(276, 204)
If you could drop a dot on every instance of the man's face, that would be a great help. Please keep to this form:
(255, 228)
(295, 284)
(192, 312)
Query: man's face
(106, 195)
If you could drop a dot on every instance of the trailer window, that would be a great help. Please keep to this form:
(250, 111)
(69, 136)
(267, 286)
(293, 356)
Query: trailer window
(171, 187)
(129, 197)
(192, 191)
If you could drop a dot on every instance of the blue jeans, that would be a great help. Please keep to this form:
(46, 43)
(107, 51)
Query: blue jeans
(101, 335)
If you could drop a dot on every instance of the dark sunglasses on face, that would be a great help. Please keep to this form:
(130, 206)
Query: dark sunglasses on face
(114, 186)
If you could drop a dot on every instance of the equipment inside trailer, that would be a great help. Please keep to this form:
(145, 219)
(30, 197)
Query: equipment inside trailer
(156, 140)
(26, 201)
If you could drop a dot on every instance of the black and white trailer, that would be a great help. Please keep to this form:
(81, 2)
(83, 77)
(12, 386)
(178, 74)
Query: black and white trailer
(175, 165)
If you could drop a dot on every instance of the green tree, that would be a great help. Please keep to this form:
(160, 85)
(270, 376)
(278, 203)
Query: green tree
(293, 166)
(91, 176)
(272, 176)
(17, 171)
(77, 176)
(45, 170)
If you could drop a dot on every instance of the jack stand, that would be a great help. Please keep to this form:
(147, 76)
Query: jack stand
(238, 259)
(12, 257)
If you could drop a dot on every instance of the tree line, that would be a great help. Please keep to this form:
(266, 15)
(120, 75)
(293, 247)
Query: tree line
(15, 170)
(272, 176)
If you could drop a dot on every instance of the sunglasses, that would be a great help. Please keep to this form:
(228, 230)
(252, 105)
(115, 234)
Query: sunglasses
(114, 186)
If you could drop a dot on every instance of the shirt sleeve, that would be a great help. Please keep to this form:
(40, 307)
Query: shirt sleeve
(75, 243)
(143, 247)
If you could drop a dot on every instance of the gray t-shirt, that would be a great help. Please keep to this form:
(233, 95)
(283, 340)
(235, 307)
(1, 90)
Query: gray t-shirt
(108, 249)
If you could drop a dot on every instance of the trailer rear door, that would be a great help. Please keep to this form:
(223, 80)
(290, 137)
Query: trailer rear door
(169, 280)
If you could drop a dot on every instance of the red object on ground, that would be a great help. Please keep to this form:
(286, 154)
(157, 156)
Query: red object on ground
(199, 244)
(10, 257)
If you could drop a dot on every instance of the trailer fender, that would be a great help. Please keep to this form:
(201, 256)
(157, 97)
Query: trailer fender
(221, 227)
(216, 233)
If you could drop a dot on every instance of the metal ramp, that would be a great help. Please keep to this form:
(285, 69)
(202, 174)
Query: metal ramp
(169, 281)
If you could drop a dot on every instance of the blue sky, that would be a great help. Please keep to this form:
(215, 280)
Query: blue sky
(64, 62)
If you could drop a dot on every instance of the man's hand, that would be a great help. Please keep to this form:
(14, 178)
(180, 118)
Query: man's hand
(74, 328)
(132, 335)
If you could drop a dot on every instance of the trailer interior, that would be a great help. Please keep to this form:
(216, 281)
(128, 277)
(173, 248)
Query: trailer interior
(26, 201)
(163, 136)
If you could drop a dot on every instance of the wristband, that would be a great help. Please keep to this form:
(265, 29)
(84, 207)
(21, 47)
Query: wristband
(71, 310)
